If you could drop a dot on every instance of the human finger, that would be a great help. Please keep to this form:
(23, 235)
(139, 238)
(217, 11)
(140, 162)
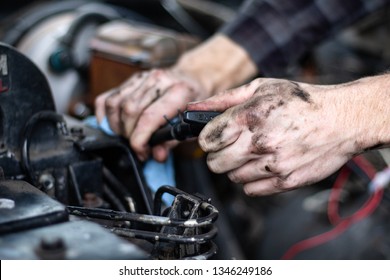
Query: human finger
(231, 156)
(160, 152)
(259, 168)
(133, 87)
(113, 110)
(264, 187)
(100, 104)
(225, 99)
(133, 108)
(220, 132)
(154, 116)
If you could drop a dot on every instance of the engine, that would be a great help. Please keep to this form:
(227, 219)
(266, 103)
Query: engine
(70, 191)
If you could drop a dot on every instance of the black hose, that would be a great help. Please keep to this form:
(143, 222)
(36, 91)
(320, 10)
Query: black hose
(142, 187)
(113, 199)
(173, 191)
(186, 125)
(76, 187)
(180, 131)
(96, 145)
(27, 132)
(116, 186)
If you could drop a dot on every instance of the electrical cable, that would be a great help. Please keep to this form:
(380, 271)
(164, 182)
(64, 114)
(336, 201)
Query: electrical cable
(114, 201)
(341, 224)
(116, 186)
(142, 187)
(86, 145)
(334, 198)
(75, 185)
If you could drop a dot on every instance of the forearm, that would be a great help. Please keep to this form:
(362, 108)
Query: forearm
(370, 111)
(218, 64)
(276, 135)
(277, 34)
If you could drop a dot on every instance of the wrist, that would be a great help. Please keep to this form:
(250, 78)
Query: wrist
(368, 100)
(217, 64)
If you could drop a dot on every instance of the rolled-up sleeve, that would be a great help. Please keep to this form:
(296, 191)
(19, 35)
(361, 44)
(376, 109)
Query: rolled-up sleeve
(277, 33)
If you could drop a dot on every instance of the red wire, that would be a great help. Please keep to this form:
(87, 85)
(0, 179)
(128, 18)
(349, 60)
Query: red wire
(334, 197)
(341, 224)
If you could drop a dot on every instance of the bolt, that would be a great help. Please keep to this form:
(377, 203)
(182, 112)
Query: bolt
(92, 200)
(51, 248)
(3, 148)
(47, 181)
(77, 131)
(52, 244)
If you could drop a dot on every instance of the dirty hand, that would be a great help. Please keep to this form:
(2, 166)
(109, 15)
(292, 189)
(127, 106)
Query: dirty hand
(137, 108)
(276, 135)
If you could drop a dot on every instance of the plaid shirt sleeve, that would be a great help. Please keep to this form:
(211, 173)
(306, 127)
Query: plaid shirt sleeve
(276, 33)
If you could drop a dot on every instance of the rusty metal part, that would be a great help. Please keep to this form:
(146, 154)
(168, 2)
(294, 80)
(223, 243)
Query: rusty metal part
(186, 230)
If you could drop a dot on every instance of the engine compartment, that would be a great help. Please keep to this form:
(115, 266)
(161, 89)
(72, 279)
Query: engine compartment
(58, 175)
(70, 191)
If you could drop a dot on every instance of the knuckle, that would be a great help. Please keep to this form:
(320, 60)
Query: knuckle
(284, 183)
(140, 74)
(151, 116)
(137, 148)
(291, 182)
(248, 191)
(136, 142)
(272, 168)
(146, 125)
(178, 88)
(258, 80)
(99, 101)
(212, 163)
(235, 177)
(156, 73)
(110, 102)
(279, 184)
(128, 109)
(204, 145)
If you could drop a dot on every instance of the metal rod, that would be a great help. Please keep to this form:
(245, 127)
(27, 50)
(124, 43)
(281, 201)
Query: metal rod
(147, 219)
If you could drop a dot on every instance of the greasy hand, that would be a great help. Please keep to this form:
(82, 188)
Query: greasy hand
(137, 108)
(277, 134)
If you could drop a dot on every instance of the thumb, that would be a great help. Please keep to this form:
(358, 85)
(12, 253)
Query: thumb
(224, 100)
